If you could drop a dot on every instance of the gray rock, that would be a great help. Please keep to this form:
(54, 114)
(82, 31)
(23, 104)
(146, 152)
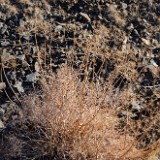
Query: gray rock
(33, 77)
(19, 87)
(153, 63)
(1, 25)
(21, 57)
(27, 37)
(136, 32)
(4, 29)
(151, 67)
(11, 75)
(17, 53)
(58, 28)
(21, 21)
(25, 64)
(12, 36)
(154, 42)
(1, 112)
(1, 125)
(30, 60)
(136, 106)
(4, 106)
(124, 5)
(84, 15)
(130, 27)
(5, 43)
(34, 49)
(3, 16)
(145, 41)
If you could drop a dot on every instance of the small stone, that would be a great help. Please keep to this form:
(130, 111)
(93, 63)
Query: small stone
(1, 112)
(34, 49)
(4, 106)
(19, 87)
(33, 77)
(145, 41)
(5, 43)
(11, 75)
(2, 85)
(37, 67)
(25, 64)
(153, 63)
(136, 106)
(135, 33)
(154, 42)
(85, 16)
(58, 28)
(124, 5)
(4, 29)
(1, 25)
(130, 27)
(1, 125)
(12, 36)
(21, 21)
(151, 67)
(27, 37)
(30, 60)
(21, 57)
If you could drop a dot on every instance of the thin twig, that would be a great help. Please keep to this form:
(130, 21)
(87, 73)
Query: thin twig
(10, 84)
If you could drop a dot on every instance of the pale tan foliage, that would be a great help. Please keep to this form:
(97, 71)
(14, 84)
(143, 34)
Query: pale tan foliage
(78, 120)
(12, 8)
(115, 15)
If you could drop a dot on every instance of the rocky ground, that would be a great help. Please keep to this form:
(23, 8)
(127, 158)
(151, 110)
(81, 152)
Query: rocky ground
(99, 37)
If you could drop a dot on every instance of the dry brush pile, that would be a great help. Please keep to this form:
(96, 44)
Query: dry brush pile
(79, 79)
(72, 120)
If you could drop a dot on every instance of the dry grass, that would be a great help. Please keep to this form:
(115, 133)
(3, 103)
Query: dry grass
(115, 15)
(73, 120)
(11, 9)
(76, 119)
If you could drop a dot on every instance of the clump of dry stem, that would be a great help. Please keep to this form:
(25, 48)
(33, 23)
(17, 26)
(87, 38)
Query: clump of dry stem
(72, 120)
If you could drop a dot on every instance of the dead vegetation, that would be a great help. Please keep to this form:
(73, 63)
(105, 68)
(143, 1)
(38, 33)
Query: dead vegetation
(87, 108)
(115, 16)
(71, 120)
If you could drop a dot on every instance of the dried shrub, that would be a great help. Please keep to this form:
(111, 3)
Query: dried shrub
(71, 120)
